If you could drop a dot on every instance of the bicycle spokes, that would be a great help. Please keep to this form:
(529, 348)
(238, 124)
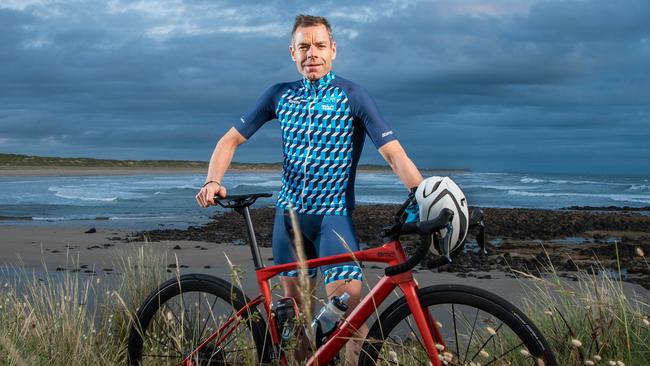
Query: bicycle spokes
(471, 336)
(185, 322)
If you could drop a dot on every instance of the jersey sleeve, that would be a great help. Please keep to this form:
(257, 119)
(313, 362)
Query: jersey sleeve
(365, 110)
(262, 112)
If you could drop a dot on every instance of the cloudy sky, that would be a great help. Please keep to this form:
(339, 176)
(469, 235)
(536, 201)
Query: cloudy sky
(508, 85)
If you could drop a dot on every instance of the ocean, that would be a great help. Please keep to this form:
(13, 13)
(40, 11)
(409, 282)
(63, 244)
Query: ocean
(141, 202)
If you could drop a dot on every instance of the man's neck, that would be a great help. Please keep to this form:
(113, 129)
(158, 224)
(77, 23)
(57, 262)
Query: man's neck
(325, 80)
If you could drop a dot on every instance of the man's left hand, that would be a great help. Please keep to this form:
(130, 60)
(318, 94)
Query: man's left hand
(413, 212)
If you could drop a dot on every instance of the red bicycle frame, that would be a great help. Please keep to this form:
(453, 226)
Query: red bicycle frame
(390, 253)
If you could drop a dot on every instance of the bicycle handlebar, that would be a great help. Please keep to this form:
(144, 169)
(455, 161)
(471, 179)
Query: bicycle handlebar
(443, 221)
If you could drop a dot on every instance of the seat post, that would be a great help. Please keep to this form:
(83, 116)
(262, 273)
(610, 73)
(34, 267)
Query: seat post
(252, 241)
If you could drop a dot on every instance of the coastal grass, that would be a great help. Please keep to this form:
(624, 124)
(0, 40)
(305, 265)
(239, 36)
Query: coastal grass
(592, 320)
(70, 318)
(15, 161)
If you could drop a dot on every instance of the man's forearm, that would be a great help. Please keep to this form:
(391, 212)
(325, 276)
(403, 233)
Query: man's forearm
(396, 157)
(407, 171)
(222, 156)
(220, 160)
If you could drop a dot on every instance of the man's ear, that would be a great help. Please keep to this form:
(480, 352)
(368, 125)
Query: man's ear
(333, 50)
(292, 53)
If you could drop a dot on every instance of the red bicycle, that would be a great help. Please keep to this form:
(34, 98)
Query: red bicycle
(197, 319)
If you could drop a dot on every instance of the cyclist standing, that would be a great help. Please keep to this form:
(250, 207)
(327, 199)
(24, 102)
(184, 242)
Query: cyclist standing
(323, 119)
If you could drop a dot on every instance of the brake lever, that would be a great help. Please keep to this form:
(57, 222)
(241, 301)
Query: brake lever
(446, 242)
(480, 238)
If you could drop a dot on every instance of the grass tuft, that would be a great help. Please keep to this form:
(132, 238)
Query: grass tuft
(590, 319)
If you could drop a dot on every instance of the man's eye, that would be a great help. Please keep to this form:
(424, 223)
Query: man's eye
(303, 48)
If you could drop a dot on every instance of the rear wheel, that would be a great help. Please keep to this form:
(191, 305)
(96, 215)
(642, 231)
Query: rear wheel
(478, 328)
(184, 312)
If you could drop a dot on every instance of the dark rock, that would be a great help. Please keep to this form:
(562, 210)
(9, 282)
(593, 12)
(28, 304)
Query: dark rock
(59, 269)
(518, 232)
(571, 265)
(177, 247)
(92, 230)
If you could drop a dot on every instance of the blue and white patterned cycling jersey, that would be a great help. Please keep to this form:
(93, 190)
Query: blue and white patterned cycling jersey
(323, 127)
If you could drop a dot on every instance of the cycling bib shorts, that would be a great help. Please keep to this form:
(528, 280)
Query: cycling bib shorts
(322, 236)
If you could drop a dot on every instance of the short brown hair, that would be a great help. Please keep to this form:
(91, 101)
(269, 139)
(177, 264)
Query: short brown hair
(303, 20)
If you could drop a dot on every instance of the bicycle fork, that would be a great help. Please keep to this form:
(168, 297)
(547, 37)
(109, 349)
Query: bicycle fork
(424, 320)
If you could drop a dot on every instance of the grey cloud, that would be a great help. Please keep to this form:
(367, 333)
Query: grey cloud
(561, 74)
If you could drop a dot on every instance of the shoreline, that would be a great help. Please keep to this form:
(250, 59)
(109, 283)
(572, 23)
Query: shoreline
(518, 239)
(101, 171)
(29, 171)
(48, 251)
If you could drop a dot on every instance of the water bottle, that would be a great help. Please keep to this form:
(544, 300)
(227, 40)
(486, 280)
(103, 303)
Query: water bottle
(328, 317)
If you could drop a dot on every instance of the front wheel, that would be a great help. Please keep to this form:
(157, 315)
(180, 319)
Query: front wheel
(175, 319)
(477, 327)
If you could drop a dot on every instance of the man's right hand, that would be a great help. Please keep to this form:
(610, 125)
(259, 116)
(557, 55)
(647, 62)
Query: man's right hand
(205, 197)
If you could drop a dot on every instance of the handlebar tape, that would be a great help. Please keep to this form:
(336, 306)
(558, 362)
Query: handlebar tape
(422, 228)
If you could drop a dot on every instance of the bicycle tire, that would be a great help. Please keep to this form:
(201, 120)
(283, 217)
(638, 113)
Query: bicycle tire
(153, 319)
(459, 297)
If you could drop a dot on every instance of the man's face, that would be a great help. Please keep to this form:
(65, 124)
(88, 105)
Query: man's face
(312, 51)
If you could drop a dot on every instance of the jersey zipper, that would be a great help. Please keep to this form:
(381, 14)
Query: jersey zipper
(310, 106)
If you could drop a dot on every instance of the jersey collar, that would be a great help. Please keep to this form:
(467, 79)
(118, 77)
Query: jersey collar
(321, 83)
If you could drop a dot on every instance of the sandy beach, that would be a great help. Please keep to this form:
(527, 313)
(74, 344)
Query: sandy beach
(94, 255)
(87, 171)
(596, 239)
(204, 249)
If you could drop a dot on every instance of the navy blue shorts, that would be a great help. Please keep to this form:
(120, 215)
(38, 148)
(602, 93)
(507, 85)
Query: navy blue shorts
(319, 236)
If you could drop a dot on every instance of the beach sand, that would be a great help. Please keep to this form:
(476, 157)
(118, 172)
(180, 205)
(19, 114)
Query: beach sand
(86, 171)
(70, 249)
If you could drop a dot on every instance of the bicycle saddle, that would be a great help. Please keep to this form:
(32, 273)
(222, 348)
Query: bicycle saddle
(240, 200)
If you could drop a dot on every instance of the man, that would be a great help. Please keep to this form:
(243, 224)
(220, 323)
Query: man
(324, 119)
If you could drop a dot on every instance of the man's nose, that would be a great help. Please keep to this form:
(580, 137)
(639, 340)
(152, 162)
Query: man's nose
(311, 51)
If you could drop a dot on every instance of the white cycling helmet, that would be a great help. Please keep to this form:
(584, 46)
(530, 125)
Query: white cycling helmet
(436, 193)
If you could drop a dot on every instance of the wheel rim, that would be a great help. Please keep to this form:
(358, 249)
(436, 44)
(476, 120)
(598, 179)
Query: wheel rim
(186, 320)
(472, 337)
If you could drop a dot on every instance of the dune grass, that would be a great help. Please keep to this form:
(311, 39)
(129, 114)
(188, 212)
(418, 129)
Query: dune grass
(70, 318)
(593, 320)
